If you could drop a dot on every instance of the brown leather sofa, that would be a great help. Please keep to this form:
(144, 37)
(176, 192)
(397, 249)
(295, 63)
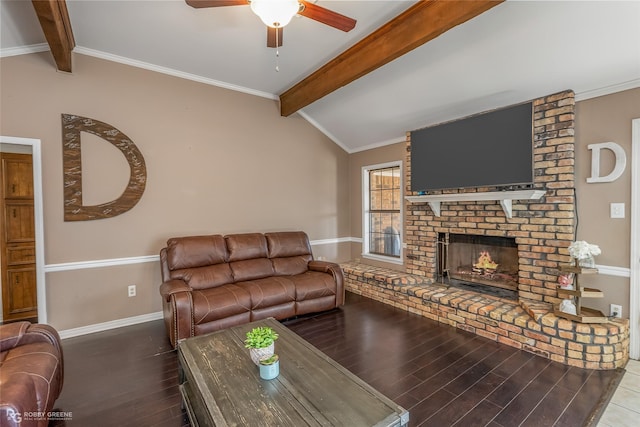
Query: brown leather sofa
(31, 373)
(213, 282)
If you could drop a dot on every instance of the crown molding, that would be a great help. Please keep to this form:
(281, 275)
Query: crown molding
(324, 131)
(42, 47)
(379, 144)
(607, 90)
(171, 72)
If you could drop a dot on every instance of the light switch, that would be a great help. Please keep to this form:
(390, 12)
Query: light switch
(617, 210)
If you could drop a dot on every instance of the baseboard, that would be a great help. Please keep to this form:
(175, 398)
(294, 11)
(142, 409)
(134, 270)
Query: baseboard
(113, 324)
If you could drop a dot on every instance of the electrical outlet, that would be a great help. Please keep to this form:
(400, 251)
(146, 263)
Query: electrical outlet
(132, 290)
(616, 310)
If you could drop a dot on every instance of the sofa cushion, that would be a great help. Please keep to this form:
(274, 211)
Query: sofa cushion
(269, 291)
(313, 284)
(251, 269)
(287, 244)
(290, 266)
(315, 305)
(248, 256)
(290, 252)
(210, 276)
(227, 322)
(279, 312)
(195, 251)
(246, 246)
(218, 303)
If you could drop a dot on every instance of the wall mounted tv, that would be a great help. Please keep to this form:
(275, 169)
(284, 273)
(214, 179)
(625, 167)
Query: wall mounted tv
(487, 149)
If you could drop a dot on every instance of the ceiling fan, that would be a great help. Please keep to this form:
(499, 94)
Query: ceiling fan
(277, 13)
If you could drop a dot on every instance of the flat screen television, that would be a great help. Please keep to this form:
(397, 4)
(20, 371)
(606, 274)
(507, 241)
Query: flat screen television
(487, 149)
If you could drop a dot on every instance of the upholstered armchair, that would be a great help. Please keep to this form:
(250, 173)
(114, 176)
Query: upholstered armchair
(31, 373)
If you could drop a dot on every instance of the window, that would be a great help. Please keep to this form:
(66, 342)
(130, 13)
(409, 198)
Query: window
(382, 195)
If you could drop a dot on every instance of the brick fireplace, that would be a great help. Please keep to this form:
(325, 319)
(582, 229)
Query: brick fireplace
(541, 229)
(483, 263)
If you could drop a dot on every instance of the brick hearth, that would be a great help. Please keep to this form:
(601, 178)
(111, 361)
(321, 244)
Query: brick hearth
(534, 329)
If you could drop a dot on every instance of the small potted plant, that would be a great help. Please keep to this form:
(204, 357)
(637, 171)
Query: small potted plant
(269, 367)
(260, 342)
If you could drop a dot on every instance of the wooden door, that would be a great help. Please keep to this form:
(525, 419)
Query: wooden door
(17, 238)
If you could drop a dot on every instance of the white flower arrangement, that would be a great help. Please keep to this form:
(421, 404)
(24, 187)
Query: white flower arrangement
(583, 250)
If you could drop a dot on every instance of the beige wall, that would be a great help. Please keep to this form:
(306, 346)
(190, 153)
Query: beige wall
(218, 161)
(601, 119)
(604, 119)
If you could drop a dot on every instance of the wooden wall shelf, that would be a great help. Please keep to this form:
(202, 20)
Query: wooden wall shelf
(578, 269)
(587, 315)
(582, 292)
(583, 314)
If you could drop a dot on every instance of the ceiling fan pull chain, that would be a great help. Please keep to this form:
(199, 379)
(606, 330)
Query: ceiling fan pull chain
(277, 53)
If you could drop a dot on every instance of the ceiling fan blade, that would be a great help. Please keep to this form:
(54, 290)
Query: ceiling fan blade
(326, 16)
(215, 3)
(271, 36)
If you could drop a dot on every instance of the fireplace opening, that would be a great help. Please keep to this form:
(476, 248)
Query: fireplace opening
(487, 264)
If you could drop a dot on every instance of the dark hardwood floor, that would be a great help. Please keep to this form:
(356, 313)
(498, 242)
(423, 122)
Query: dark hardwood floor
(443, 376)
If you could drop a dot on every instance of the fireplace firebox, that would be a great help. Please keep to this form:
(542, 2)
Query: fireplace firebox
(487, 264)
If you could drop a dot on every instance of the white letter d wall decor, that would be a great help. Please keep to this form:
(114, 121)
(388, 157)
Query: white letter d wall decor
(620, 162)
(74, 210)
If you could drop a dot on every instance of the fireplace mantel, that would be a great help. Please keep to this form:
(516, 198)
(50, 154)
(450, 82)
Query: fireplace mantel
(505, 198)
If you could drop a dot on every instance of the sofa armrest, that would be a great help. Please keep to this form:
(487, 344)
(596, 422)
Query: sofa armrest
(323, 266)
(16, 334)
(171, 287)
(20, 333)
(336, 271)
(177, 307)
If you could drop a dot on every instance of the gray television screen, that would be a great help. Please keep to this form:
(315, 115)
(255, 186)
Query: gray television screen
(488, 149)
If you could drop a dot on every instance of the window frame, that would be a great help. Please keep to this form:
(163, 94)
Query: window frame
(366, 210)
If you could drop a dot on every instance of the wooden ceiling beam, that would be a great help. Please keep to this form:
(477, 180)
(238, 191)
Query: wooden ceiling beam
(419, 24)
(56, 25)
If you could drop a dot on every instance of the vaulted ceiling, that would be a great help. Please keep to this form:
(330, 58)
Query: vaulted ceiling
(405, 65)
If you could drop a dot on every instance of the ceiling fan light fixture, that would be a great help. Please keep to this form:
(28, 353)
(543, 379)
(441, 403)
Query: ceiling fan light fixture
(275, 13)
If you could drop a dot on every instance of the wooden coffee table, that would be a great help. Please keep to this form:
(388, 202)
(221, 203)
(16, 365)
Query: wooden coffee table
(221, 386)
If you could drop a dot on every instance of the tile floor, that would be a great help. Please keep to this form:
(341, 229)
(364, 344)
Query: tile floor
(624, 407)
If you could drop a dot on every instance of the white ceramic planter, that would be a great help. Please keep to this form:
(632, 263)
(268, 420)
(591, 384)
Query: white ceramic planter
(258, 354)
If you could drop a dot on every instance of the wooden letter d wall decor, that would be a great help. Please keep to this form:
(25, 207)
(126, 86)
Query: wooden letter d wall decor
(74, 210)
